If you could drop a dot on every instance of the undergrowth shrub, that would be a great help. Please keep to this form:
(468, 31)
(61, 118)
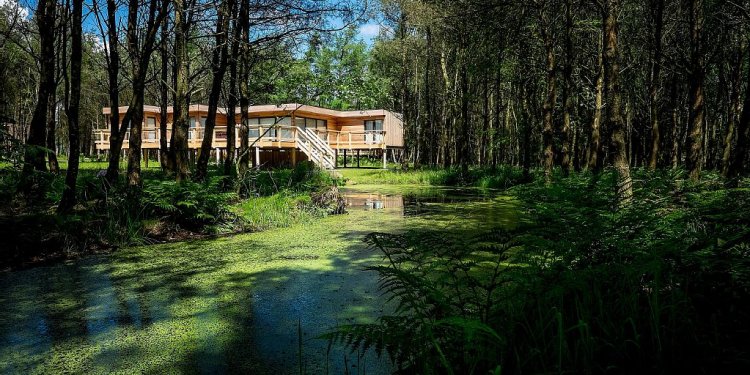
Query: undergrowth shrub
(659, 287)
(304, 177)
(191, 204)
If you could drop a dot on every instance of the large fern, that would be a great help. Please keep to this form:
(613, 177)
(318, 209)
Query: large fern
(442, 293)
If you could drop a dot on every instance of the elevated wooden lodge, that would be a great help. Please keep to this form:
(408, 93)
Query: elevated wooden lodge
(280, 134)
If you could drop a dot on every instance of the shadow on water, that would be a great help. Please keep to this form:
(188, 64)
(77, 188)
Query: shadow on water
(229, 305)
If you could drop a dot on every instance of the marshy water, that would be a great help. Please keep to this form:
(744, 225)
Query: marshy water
(228, 305)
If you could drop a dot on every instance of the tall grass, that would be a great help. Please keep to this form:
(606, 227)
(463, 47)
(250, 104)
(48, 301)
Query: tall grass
(500, 177)
(276, 211)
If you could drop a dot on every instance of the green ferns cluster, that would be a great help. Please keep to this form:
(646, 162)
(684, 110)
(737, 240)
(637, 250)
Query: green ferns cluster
(659, 287)
(191, 204)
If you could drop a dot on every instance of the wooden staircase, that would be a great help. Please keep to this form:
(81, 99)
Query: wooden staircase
(317, 150)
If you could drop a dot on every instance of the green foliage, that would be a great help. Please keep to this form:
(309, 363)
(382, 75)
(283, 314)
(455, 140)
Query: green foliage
(489, 178)
(303, 178)
(659, 286)
(277, 211)
(190, 204)
(336, 75)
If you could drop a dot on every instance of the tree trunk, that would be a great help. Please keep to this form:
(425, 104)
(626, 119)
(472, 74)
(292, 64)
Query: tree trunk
(219, 67)
(72, 111)
(595, 147)
(232, 101)
(737, 167)
(734, 107)
(113, 69)
(35, 145)
(54, 166)
(140, 57)
(657, 13)
(181, 116)
(697, 101)
(614, 120)
(550, 98)
(167, 163)
(244, 72)
(567, 98)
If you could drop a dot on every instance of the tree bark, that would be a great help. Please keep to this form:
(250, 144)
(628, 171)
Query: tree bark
(72, 111)
(219, 67)
(737, 166)
(181, 116)
(167, 163)
(232, 101)
(657, 14)
(624, 185)
(244, 73)
(548, 108)
(595, 161)
(113, 68)
(34, 154)
(140, 57)
(567, 97)
(697, 100)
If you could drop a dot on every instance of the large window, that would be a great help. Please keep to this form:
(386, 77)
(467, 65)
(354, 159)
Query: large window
(373, 125)
(319, 126)
(259, 125)
(150, 128)
(373, 131)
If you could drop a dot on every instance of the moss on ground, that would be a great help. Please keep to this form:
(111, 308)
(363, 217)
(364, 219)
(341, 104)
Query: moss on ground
(223, 305)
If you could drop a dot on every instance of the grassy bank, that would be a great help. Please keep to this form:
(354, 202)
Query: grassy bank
(498, 178)
(163, 211)
(658, 287)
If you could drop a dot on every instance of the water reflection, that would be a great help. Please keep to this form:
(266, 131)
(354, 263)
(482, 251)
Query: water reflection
(214, 306)
(487, 207)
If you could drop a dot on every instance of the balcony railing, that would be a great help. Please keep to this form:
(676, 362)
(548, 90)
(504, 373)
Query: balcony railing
(261, 135)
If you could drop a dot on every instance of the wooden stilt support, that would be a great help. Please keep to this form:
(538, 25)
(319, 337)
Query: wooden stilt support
(357, 158)
(344, 158)
(385, 158)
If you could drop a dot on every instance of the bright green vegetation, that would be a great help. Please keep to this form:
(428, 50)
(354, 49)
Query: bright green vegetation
(163, 210)
(278, 210)
(500, 177)
(228, 304)
(577, 287)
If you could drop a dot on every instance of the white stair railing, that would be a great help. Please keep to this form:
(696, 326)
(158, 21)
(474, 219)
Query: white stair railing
(314, 147)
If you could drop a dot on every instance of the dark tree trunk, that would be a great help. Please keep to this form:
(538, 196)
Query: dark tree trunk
(548, 109)
(734, 107)
(244, 72)
(232, 101)
(219, 67)
(697, 100)
(614, 120)
(140, 56)
(113, 68)
(567, 96)
(657, 15)
(72, 111)
(180, 123)
(167, 164)
(54, 166)
(595, 156)
(35, 151)
(737, 166)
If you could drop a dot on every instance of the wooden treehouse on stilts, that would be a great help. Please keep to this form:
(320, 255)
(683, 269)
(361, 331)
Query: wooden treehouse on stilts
(279, 135)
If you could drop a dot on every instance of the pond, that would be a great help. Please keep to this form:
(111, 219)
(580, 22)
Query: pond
(251, 303)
